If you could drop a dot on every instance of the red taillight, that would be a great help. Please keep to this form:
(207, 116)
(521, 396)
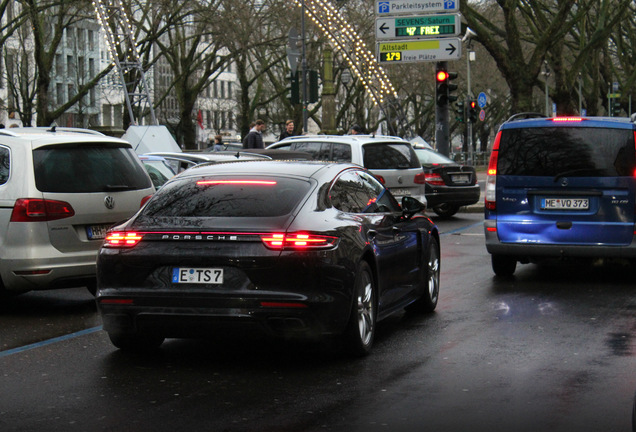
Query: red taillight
(434, 179)
(490, 201)
(380, 179)
(144, 200)
(298, 241)
(420, 178)
(40, 210)
(122, 239)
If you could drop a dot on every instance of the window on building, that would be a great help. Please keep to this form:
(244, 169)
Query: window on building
(59, 65)
(59, 90)
(222, 89)
(229, 90)
(91, 41)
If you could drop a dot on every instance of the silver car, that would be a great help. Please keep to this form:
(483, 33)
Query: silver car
(60, 190)
(391, 159)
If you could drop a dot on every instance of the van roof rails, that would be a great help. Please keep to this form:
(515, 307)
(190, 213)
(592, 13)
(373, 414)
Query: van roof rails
(526, 115)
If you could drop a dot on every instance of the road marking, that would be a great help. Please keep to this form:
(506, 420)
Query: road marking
(49, 341)
(463, 228)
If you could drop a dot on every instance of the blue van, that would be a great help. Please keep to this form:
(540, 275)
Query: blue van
(561, 187)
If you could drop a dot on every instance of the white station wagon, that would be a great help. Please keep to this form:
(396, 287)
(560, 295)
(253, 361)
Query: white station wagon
(60, 190)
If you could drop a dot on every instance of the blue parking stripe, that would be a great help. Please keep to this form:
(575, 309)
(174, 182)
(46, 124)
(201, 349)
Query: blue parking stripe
(49, 341)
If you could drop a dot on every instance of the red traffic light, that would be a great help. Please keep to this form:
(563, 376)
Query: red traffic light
(473, 104)
(441, 76)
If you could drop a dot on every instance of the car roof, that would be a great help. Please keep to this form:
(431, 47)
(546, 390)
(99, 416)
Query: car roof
(269, 167)
(572, 121)
(41, 136)
(348, 139)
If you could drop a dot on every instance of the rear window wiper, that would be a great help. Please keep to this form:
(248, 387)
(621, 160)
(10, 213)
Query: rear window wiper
(578, 171)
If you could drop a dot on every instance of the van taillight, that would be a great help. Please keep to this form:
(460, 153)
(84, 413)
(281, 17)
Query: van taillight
(491, 180)
(40, 210)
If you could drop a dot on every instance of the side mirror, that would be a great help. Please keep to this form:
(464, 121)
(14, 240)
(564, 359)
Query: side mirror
(411, 206)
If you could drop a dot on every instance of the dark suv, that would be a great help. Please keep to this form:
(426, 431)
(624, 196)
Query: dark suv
(561, 187)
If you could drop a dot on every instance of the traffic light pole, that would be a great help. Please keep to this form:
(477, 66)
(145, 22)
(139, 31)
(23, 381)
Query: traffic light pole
(441, 117)
(304, 70)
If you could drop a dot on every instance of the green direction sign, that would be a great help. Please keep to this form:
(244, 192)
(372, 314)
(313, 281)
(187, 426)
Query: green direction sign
(427, 26)
(419, 50)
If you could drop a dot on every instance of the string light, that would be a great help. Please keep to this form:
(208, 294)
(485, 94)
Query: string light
(343, 37)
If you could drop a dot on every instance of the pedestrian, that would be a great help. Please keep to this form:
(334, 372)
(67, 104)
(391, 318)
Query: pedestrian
(356, 130)
(289, 130)
(218, 143)
(254, 139)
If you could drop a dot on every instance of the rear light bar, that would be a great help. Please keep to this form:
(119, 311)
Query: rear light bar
(40, 210)
(567, 119)
(297, 241)
(122, 239)
(434, 179)
(237, 182)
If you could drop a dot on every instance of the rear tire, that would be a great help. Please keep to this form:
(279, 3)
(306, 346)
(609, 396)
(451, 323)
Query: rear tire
(445, 210)
(360, 332)
(428, 301)
(503, 265)
(135, 343)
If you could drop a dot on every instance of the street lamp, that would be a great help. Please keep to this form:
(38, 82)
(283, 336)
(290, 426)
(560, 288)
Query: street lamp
(470, 34)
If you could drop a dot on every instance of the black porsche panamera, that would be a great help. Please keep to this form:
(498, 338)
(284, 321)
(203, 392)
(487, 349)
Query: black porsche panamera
(307, 249)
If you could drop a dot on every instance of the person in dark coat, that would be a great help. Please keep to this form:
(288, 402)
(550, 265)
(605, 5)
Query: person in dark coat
(254, 139)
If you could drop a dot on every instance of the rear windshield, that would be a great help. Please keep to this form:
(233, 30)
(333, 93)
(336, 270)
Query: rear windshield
(564, 151)
(246, 196)
(390, 156)
(88, 168)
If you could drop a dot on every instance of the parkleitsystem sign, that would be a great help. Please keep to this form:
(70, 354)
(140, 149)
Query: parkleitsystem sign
(403, 37)
(395, 7)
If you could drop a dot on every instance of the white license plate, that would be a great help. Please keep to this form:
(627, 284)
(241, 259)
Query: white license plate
(197, 275)
(565, 203)
(95, 232)
(461, 179)
(401, 192)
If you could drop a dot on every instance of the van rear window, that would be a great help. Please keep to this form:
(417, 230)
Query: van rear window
(565, 151)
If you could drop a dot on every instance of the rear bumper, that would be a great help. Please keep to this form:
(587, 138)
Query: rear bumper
(188, 316)
(460, 196)
(528, 251)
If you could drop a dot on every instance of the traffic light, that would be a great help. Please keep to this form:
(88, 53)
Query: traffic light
(460, 109)
(616, 107)
(444, 90)
(294, 92)
(441, 86)
(472, 111)
(452, 97)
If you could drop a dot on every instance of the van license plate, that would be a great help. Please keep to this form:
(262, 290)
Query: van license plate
(565, 203)
(197, 275)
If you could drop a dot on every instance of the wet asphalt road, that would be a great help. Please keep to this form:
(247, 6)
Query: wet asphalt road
(551, 349)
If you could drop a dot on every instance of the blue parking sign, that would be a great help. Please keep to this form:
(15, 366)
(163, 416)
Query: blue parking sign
(449, 4)
(383, 7)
